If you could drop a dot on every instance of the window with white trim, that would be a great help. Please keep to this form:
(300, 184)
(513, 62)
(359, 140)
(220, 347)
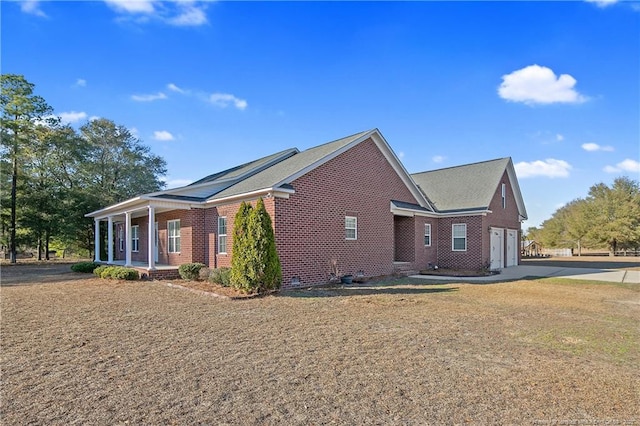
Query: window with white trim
(351, 227)
(173, 231)
(427, 234)
(135, 238)
(459, 237)
(121, 237)
(222, 234)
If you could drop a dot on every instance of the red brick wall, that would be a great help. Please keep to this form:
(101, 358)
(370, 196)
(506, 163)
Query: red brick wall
(405, 244)
(425, 254)
(472, 258)
(310, 224)
(506, 218)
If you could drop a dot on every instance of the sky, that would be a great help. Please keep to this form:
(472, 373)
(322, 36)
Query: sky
(210, 85)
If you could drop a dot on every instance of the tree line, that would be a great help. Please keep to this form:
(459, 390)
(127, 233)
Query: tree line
(53, 174)
(608, 218)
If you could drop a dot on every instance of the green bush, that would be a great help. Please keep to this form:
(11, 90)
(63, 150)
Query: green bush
(98, 271)
(190, 271)
(121, 273)
(86, 267)
(116, 272)
(220, 276)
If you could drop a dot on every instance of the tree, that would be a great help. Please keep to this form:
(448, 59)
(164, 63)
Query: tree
(616, 214)
(20, 111)
(255, 266)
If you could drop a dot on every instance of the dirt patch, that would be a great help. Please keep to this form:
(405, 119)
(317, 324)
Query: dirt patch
(445, 272)
(97, 351)
(38, 273)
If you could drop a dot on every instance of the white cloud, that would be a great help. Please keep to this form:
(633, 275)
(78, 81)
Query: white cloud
(559, 137)
(595, 147)
(175, 88)
(134, 132)
(94, 117)
(223, 100)
(437, 158)
(162, 135)
(627, 165)
(81, 82)
(602, 3)
(149, 98)
(401, 155)
(550, 168)
(32, 7)
(72, 116)
(132, 6)
(190, 16)
(539, 85)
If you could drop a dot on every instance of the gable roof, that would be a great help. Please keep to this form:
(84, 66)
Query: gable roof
(469, 187)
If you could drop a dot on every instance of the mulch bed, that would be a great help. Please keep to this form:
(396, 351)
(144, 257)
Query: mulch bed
(457, 272)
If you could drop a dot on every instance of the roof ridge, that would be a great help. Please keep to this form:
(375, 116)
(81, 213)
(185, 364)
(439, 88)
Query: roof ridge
(339, 139)
(461, 165)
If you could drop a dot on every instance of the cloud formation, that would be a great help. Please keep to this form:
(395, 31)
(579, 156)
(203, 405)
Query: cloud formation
(595, 147)
(437, 159)
(81, 82)
(32, 7)
(223, 100)
(602, 3)
(162, 135)
(539, 85)
(627, 165)
(550, 168)
(149, 98)
(72, 116)
(181, 13)
(175, 88)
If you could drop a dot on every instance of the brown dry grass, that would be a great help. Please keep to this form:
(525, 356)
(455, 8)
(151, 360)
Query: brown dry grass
(93, 351)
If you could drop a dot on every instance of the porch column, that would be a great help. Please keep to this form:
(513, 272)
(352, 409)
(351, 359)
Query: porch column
(152, 238)
(127, 238)
(96, 240)
(110, 239)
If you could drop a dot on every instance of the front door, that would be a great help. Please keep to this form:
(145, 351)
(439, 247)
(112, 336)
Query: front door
(155, 245)
(497, 248)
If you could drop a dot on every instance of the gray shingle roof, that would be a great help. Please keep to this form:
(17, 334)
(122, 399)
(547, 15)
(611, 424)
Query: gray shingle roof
(467, 187)
(279, 172)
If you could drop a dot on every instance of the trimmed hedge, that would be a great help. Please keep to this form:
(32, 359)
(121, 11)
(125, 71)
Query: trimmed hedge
(116, 273)
(190, 271)
(220, 276)
(85, 267)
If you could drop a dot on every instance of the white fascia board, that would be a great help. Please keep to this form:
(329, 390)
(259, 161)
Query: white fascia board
(397, 165)
(273, 191)
(399, 211)
(324, 159)
(515, 187)
(141, 203)
(466, 213)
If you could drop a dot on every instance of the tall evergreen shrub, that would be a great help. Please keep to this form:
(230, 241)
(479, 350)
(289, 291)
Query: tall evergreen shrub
(240, 262)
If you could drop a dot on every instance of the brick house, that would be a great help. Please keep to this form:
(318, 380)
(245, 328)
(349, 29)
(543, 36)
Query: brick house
(350, 201)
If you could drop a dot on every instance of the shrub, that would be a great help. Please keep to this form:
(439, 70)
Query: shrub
(106, 272)
(121, 273)
(190, 271)
(204, 274)
(85, 267)
(98, 271)
(220, 276)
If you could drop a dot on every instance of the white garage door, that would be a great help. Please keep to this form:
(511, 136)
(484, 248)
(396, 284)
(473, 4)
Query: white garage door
(512, 247)
(497, 248)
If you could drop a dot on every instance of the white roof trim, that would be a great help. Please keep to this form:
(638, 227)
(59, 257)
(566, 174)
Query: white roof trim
(139, 203)
(273, 191)
(515, 187)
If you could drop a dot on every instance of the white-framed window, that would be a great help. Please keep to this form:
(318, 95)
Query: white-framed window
(222, 234)
(504, 196)
(351, 227)
(135, 238)
(121, 237)
(427, 234)
(459, 237)
(173, 231)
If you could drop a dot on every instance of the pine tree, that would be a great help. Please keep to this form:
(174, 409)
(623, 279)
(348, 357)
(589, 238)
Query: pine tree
(267, 269)
(240, 262)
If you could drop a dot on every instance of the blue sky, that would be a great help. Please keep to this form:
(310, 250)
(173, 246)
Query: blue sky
(209, 85)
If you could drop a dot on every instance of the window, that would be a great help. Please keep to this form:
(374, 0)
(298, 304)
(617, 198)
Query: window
(459, 237)
(121, 237)
(427, 234)
(504, 196)
(135, 238)
(222, 234)
(173, 228)
(351, 227)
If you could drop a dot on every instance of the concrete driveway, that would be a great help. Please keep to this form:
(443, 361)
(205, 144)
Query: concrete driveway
(521, 271)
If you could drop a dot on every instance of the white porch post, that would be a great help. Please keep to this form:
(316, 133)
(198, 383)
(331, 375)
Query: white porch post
(127, 238)
(110, 239)
(152, 238)
(96, 240)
